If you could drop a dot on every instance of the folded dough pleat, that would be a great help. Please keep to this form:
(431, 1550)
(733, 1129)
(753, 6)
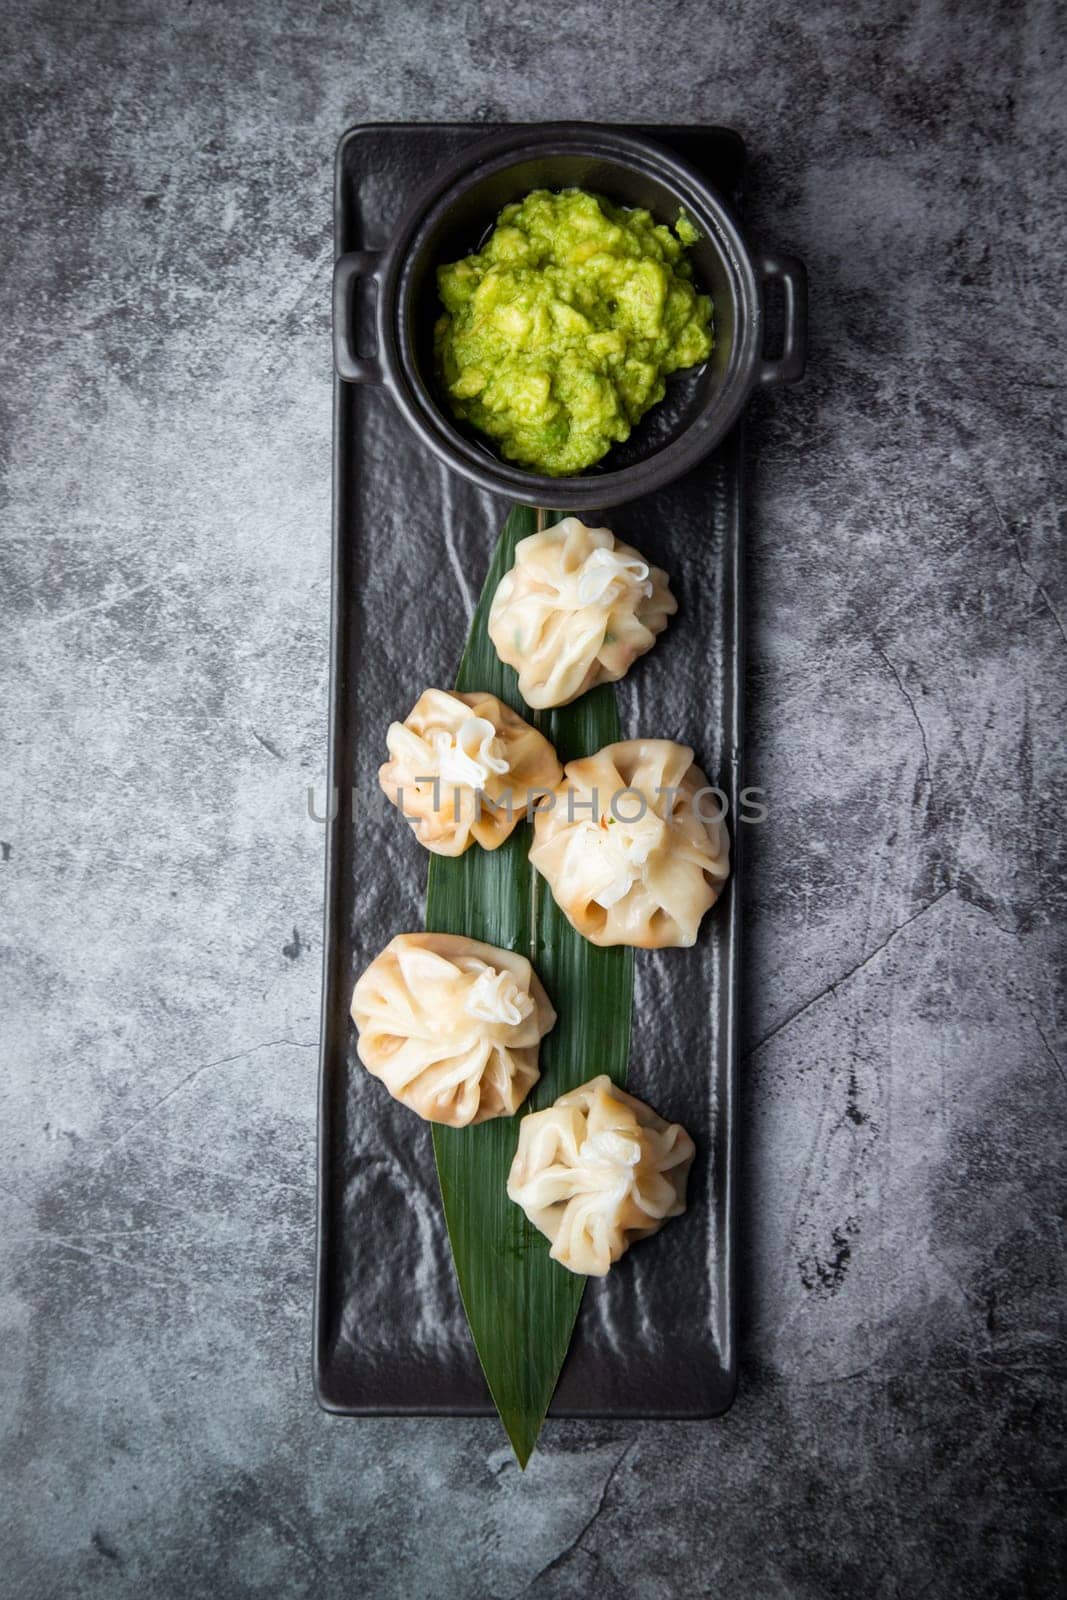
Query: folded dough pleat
(631, 848)
(576, 609)
(464, 769)
(452, 1026)
(597, 1171)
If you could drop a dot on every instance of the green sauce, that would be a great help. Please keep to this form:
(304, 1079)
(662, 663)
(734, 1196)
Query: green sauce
(558, 335)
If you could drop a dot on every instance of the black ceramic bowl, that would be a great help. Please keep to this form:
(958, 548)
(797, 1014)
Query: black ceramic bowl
(452, 217)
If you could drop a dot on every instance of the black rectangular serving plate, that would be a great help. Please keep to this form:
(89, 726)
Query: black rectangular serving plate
(411, 545)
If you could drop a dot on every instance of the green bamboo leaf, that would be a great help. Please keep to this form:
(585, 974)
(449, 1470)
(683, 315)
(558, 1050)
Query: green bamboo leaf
(522, 1306)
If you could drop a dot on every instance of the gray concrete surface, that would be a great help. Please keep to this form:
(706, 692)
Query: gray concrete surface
(165, 200)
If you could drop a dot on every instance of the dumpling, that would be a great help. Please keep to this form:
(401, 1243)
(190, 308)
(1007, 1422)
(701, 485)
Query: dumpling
(632, 845)
(597, 1171)
(464, 768)
(576, 609)
(451, 1026)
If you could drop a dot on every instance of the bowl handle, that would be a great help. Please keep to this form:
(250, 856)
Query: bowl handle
(347, 272)
(793, 277)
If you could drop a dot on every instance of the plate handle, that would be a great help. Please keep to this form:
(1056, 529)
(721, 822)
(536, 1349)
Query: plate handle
(348, 270)
(792, 275)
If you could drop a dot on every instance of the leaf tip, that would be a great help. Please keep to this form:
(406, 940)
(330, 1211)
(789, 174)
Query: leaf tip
(522, 1435)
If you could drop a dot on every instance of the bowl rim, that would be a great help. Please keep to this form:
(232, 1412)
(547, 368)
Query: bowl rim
(435, 428)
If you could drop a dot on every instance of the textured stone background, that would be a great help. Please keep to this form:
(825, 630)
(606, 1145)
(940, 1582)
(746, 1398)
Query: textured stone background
(166, 461)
